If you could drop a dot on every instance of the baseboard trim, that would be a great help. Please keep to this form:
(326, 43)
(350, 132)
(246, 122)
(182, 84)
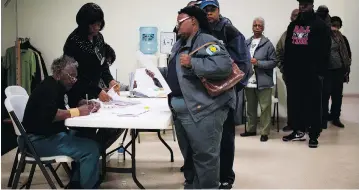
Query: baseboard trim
(351, 95)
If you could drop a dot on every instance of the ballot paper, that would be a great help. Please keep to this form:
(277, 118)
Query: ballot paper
(117, 100)
(149, 93)
(113, 94)
(129, 112)
(118, 104)
(148, 64)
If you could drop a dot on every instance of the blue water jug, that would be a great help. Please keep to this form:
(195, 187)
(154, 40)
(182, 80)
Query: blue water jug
(148, 40)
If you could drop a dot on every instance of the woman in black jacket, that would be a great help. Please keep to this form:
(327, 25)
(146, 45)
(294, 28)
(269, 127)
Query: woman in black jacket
(86, 44)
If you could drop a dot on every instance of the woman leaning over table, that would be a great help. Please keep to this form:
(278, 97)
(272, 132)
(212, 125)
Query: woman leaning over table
(87, 46)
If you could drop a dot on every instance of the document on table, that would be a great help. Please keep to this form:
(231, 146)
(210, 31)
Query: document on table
(130, 112)
(157, 74)
(117, 100)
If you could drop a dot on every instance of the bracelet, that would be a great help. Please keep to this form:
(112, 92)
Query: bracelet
(74, 112)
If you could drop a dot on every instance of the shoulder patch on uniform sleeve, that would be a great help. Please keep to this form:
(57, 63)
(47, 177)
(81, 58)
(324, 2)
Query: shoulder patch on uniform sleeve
(212, 49)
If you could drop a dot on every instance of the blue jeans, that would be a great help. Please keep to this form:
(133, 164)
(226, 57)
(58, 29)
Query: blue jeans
(83, 151)
(200, 145)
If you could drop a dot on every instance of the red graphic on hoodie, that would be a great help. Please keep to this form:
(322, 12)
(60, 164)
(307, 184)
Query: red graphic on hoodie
(300, 35)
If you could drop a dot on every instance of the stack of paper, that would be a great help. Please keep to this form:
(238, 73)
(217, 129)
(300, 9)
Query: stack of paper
(130, 112)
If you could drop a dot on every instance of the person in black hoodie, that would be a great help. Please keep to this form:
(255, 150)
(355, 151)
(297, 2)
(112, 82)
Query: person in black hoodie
(306, 57)
(87, 46)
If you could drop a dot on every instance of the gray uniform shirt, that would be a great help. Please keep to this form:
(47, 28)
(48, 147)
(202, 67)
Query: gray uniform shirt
(211, 62)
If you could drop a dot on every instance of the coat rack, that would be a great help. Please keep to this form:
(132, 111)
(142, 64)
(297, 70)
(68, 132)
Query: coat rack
(17, 45)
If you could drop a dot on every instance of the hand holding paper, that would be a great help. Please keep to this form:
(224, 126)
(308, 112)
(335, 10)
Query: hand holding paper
(104, 97)
(115, 86)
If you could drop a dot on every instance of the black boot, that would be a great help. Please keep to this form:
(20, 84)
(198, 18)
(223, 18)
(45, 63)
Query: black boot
(264, 138)
(248, 134)
(313, 143)
(338, 123)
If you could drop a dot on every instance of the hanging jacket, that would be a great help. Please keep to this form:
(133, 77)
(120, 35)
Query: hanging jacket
(28, 67)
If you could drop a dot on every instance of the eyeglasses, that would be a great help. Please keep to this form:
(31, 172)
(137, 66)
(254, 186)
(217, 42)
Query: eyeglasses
(258, 25)
(74, 79)
(181, 21)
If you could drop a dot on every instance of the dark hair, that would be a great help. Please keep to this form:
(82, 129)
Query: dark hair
(337, 19)
(200, 15)
(191, 2)
(88, 14)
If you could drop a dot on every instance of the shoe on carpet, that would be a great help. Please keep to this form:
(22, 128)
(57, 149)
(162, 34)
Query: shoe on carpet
(248, 134)
(295, 136)
(264, 138)
(226, 185)
(287, 128)
(338, 123)
(313, 143)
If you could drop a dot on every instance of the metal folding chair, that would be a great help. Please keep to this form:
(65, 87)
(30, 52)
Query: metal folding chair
(15, 106)
(275, 101)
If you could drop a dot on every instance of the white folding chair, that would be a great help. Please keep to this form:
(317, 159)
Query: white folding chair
(15, 106)
(275, 101)
(15, 90)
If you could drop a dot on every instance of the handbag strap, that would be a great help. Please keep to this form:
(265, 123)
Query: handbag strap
(199, 48)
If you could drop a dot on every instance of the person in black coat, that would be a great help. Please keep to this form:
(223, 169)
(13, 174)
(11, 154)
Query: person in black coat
(306, 57)
(338, 24)
(94, 56)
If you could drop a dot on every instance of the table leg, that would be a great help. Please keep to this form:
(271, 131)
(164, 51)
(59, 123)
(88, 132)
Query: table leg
(133, 158)
(164, 142)
(103, 165)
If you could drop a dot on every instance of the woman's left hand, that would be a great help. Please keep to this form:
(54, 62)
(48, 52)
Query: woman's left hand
(185, 60)
(254, 61)
(115, 86)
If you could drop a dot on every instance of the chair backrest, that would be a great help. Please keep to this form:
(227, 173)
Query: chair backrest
(275, 82)
(15, 106)
(15, 90)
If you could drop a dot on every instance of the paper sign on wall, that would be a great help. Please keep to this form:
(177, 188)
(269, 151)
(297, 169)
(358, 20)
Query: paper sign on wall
(167, 40)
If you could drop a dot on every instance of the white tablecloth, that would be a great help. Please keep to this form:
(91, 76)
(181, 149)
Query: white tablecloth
(158, 117)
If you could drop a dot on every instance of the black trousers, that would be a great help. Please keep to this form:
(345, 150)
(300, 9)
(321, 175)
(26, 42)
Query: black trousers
(305, 102)
(333, 88)
(227, 149)
(289, 108)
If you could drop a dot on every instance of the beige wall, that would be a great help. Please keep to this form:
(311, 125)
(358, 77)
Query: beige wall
(48, 23)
